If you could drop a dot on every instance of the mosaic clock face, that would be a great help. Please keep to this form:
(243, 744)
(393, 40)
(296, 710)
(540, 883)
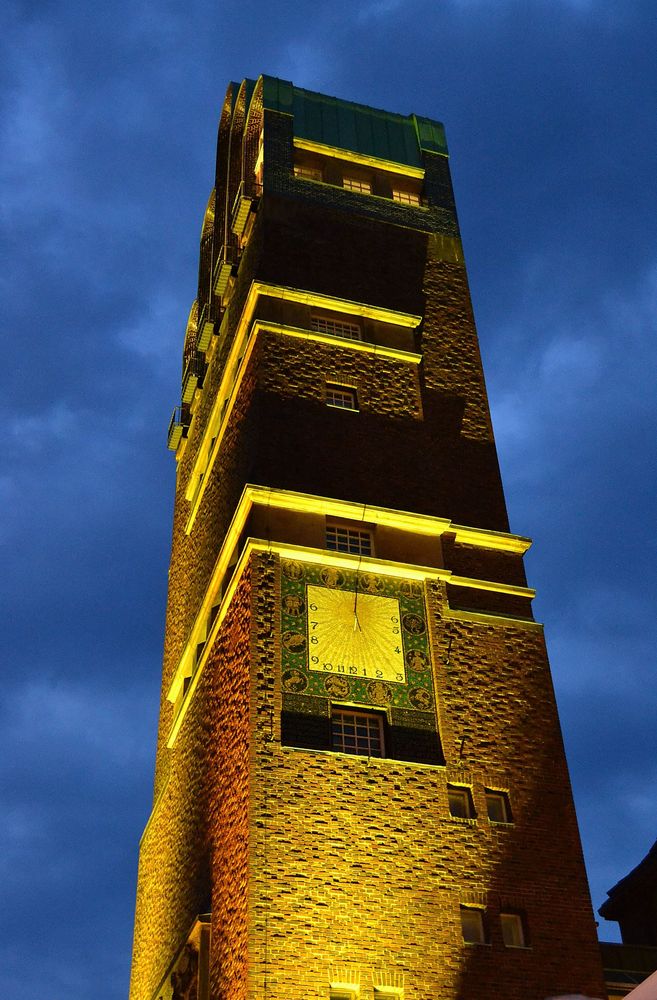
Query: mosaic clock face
(354, 636)
(358, 635)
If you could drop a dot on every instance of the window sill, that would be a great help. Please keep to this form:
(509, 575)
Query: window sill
(350, 756)
(463, 820)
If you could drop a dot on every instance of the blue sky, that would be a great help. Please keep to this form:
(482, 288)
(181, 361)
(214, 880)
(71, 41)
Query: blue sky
(108, 126)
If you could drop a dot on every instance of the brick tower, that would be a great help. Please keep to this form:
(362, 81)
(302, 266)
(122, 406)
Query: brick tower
(361, 791)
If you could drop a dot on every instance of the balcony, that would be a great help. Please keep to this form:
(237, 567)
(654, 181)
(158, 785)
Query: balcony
(224, 269)
(177, 427)
(205, 330)
(192, 378)
(243, 204)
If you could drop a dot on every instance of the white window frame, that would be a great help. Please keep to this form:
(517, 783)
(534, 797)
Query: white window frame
(514, 934)
(336, 327)
(341, 397)
(353, 541)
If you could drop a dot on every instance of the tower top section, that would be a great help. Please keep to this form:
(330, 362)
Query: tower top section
(332, 122)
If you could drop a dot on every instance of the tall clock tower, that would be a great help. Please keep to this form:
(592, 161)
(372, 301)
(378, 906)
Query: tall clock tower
(361, 791)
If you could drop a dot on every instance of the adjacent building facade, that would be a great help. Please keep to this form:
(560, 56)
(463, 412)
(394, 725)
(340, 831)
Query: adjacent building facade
(633, 903)
(361, 788)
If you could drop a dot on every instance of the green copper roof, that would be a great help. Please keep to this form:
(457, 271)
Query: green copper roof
(399, 138)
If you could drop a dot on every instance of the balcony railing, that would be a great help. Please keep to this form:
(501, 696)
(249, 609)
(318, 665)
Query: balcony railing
(205, 330)
(224, 268)
(246, 199)
(192, 378)
(177, 427)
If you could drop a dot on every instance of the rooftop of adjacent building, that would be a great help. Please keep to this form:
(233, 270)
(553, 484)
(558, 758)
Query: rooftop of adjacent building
(624, 894)
(356, 127)
(633, 903)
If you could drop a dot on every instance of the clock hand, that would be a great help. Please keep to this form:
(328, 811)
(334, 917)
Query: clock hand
(356, 622)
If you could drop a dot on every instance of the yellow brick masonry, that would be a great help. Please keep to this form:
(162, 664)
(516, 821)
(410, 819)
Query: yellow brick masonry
(358, 862)
(384, 386)
(200, 821)
(320, 859)
(452, 362)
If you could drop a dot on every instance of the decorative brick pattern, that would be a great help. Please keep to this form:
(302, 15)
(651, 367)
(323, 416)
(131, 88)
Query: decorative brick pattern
(322, 868)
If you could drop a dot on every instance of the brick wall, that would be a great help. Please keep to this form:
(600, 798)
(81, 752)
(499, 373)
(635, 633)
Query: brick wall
(194, 852)
(358, 863)
(320, 860)
(317, 866)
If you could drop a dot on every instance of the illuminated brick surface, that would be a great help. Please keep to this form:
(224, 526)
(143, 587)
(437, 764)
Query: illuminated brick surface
(320, 867)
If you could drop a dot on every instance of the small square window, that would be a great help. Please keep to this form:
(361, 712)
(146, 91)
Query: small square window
(358, 184)
(359, 733)
(513, 930)
(497, 806)
(472, 925)
(339, 538)
(342, 396)
(460, 802)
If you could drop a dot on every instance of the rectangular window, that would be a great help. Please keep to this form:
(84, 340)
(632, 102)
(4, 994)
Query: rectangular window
(460, 802)
(342, 396)
(335, 327)
(307, 173)
(497, 806)
(406, 197)
(357, 184)
(513, 930)
(359, 733)
(342, 539)
(472, 925)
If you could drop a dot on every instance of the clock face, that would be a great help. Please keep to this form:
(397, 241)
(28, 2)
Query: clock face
(355, 634)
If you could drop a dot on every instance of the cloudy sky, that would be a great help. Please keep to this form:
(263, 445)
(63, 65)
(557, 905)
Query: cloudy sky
(108, 122)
